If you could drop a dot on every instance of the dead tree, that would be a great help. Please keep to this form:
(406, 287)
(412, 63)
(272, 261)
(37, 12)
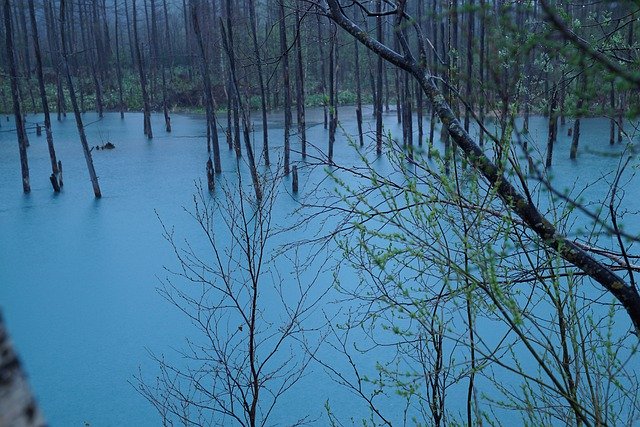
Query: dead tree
(212, 122)
(143, 76)
(284, 51)
(15, 96)
(226, 42)
(379, 67)
(300, 100)
(263, 96)
(553, 125)
(118, 66)
(43, 97)
(333, 95)
(74, 104)
(576, 125)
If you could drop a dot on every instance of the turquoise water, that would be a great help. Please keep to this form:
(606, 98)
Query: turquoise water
(78, 276)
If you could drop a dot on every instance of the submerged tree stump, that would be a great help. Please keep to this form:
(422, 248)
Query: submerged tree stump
(18, 408)
(210, 180)
(294, 179)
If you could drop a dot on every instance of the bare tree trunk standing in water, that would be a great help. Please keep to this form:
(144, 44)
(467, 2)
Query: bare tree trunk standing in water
(43, 96)
(333, 95)
(358, 88)
(576, 125)
(143, 77)
(612, 120)
(263, 98)
(302, 131)
(287, 87)
(468, 90)
(212, 121)
(228, 47)
(378, 97)
(15, 94)
(323, 78)
(74, 103)
(18, 408)
(118, 66)
(52, 38)
(162, 58)
(553, 124)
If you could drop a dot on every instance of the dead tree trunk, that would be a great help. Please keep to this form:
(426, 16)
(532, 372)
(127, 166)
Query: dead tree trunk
(74, 104)
(612, 120)
(162, 59)
(468, 89)
(333, 93)
(576, 125)
(434, 60)
(212, 122)
(481, 72)
(226, 41)
(234, 95)
(43, 97)
(358, 92)
(15, 95)
(323, 77)
(553, 125)
(302, 127)
(143, 76)
(52, 36)
(284, 50)
(378, 97)
(263, 97)
(118, 65)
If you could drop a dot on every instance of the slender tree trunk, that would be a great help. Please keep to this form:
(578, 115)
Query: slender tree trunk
(226, 40)
(74, 103)
(396, 75)
(212, 124)
(129, 33)
(232, 92)
(553, 125)
(620, 118)
(333, 101)
(323, 77)
(55, 52)
(576, 125)
(481, 73)
(434, 59)
(302, 127)
(612, 121)
(287, 86)
(263, 97)
(91, 46)
(43, 97)
(358, 93)
(15, 95)
(21, 14)
(468, 89)
(118, 65)
(162, 59)
(143, 76)
(378, 106)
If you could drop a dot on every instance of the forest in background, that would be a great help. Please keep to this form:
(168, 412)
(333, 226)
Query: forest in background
(500, 56)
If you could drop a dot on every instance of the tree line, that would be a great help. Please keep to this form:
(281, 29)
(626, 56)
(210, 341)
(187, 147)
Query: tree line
(497, 61)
